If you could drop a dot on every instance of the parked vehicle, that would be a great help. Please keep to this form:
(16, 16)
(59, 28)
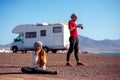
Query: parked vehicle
(53, 36)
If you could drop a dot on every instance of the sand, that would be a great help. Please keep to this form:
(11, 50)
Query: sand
(98, 67)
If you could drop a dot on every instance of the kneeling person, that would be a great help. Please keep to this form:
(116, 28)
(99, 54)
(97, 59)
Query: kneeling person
(39, 60)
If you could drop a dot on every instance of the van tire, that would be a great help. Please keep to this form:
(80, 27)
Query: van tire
(25, 51)
(14, 49)
(54, 50)
(46, 49)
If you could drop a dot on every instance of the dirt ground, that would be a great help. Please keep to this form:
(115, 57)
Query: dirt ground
(98, 67)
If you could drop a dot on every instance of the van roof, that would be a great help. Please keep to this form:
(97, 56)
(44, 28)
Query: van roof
(20, 28)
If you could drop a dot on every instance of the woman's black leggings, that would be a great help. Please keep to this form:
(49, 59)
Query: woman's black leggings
(73, 46)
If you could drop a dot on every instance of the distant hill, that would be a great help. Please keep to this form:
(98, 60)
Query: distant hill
(5, 47)
(87, 44)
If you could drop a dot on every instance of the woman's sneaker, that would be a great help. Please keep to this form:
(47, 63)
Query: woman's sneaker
(68, 64)
(80, 64)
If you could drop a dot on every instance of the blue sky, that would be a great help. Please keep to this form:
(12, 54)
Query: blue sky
(100, 18)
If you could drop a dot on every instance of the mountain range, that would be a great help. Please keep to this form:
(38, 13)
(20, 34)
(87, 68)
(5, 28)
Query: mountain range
(87, 44)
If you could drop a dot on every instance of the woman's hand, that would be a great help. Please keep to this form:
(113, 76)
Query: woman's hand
(80, 26)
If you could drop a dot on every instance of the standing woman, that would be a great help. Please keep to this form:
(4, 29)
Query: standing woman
(73, 40)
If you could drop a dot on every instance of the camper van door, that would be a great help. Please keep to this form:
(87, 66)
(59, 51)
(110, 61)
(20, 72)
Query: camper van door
(58, 36)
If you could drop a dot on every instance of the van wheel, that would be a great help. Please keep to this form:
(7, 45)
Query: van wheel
(54, 50)
(14, 49)
(25, 51)
(46, 49)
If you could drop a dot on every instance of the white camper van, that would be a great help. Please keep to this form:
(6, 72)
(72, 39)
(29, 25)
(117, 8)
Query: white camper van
(53, 36)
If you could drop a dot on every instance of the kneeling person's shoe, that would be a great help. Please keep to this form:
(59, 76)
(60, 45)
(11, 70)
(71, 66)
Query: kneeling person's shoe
(55, 72)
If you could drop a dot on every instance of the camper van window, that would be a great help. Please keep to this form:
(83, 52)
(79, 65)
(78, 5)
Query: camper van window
(30, 35)
(43, 33)
(19, 38)
(57, 29)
